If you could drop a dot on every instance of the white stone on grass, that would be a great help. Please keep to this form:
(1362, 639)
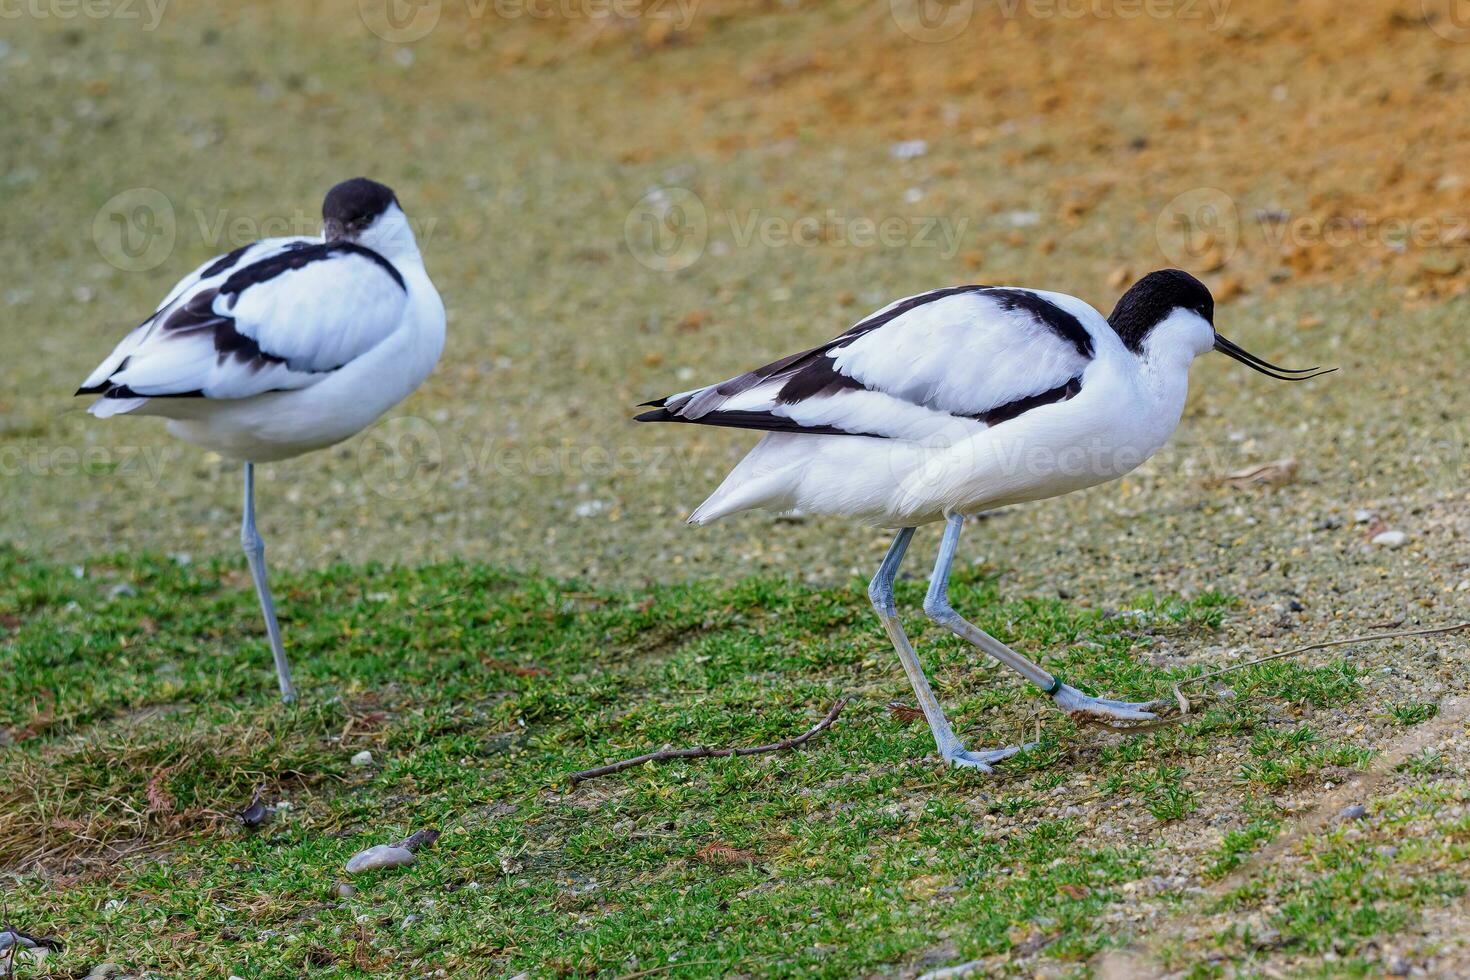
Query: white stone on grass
(380, 856)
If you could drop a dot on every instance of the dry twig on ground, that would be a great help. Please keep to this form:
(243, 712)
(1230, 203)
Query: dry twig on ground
(704, 752)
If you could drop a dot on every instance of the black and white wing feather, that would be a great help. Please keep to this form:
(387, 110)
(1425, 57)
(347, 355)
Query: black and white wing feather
(967, 354)
(276, 315)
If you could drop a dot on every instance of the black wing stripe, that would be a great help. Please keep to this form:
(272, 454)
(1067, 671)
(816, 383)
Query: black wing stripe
(225, 262)
(295, 258)
(123, 391)
(1019, 407)
(778, 423)
(199, 316)
(821, 377)
(751, 420)
(1046, 313)
(912, 303)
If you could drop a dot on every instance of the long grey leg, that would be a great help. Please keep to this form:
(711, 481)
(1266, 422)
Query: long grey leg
(255, 554)
(1068, 698)
(880, 591)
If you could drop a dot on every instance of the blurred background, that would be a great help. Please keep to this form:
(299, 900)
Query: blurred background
(619, 199)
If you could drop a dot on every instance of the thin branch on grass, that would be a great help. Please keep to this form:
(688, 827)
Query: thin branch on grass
(1184, 705)
(704, 751)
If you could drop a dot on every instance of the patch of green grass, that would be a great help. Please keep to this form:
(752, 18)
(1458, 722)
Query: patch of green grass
(1165, 795)
(1413, 712)
(1352, 882)
(1280, 757)
(142, 710)
(1238, 845)
(1329, 685)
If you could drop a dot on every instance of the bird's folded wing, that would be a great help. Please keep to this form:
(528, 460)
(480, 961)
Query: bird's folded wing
(966, 356)
(211, 273)
(280, 322)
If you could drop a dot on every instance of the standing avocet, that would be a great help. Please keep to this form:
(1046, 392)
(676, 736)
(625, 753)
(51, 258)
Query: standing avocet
(954, 402)
(283, 346)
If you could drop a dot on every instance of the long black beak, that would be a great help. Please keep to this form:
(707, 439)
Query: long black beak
(1266, 367)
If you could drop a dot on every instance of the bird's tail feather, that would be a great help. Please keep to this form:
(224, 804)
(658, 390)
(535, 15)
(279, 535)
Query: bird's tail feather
(766, 478)
(104, 408)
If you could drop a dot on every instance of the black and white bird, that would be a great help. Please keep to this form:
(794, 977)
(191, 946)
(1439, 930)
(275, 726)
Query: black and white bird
(954, 402)
(283, 346)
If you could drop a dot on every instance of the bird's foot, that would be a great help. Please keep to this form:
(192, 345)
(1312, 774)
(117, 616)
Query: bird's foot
(1113, 714)
(983, 760)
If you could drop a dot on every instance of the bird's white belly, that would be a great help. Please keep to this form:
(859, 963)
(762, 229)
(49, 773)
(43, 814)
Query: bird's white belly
(1052, 450)
(1107, 431)
(282, 424)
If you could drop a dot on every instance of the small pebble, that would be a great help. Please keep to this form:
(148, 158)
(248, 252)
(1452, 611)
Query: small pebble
(1390, 539)
(908, 149)
(1399, 967)
(344, 890)
(1355, 812)
(1363, 516)
(363, 758)
(121, 590)
(380, 856)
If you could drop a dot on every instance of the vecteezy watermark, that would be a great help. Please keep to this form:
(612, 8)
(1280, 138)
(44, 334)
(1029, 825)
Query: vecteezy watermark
(1199, 227)
(406, 21)
(401, 458)
(138, 229)
(1210, 13)
(932, 21)
(1203, 228)
(937, 21)
(837, 230)
(671, 228)
(405, 457)
(136, 466)
(135, 230)
(667, 229)
(150, 12)
(1361, 229)
(1450, 19)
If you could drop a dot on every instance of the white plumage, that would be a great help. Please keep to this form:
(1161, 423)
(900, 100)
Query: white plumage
(957, 401)
(925, 398)
(284, 346)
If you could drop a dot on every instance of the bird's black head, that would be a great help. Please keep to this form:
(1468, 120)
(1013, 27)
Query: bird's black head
(1158, 296)
(1151, 300)
(352, 206)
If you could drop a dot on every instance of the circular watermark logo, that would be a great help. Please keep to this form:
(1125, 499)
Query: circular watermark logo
(1199, 228)
(400, 21)
(135, 230)
(401, 458)
(1450, 19)
(932, 21)
(667, 229)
